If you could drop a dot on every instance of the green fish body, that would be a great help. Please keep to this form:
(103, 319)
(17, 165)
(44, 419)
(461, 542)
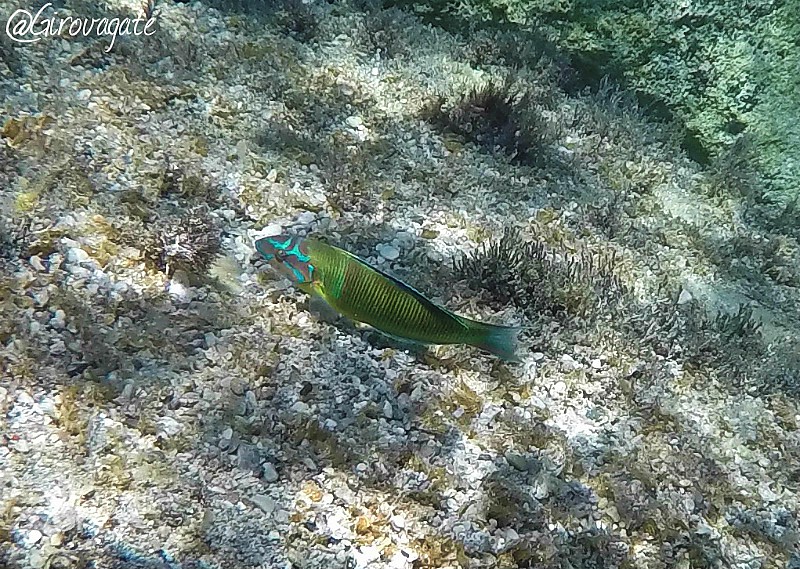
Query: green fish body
(364, 293)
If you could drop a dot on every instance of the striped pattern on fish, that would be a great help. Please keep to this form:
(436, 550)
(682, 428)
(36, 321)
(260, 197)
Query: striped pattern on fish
(364, 293)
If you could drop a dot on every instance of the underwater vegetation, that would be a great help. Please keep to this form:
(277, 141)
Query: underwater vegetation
(586, 292)
(723, 71)
(538, 279)
(497, 116)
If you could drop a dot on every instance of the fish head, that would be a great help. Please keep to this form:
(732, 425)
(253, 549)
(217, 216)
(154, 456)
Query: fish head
(289, 255)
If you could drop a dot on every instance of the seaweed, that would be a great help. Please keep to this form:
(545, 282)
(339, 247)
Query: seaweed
(497, 116)
(537, 279)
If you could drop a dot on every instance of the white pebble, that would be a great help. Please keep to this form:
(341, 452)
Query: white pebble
(77, 255)
(36, 263)
(34, 536)
(58, 321)
(271, 230)
(388, 252)
(398, 522)
(568, 363)
(300, 408)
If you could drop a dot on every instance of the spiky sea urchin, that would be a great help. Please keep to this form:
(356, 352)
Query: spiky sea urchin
(189, 241)
(496, 116)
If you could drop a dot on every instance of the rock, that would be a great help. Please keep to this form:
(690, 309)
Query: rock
(38, 559)
(516, 460)
(33, 537)
(366, 555)
(58, 321)
(354, 121)
(269, 473)
(77, 255)
(271, 230)
(568, 363)
(388, 412)
(388, 251)
(300, 407)
(264, 503)
(167, 427)
(24, 398)
(306, 218)
(36, 263)
(247, 458)
(685, 297)
(398, 522)
(558, 388)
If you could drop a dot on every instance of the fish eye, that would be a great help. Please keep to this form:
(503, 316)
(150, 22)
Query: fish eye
(280, 254)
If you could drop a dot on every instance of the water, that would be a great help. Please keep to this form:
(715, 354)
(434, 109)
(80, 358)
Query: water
(618, 181)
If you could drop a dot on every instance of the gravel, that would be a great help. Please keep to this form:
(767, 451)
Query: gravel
(175, 416)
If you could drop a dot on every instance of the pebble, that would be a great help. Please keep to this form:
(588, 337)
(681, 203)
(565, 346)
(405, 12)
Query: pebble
(269, 473)
(568, 363)
(388, 412)
(264, 503)
(516, 460)
(36, 263)
(685, 297)
(366, 555)
(58, 321)
(37, 559)
(33, 537)
(354, 121)
(388, 251)
(271, 230)
(300, 407)
(398, 522)
(77, 255)
(558, 388)
(25, 398)
(306, 218)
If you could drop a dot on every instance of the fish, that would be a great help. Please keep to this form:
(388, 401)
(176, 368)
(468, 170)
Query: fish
(364, 293)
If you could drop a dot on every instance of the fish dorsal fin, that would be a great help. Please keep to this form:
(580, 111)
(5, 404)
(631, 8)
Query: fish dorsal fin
(401, 285)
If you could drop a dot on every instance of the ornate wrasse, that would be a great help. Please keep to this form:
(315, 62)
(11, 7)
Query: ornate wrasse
(364, 293)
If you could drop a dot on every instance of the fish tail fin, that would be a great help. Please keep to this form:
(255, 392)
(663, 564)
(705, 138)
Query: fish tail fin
(498, 340)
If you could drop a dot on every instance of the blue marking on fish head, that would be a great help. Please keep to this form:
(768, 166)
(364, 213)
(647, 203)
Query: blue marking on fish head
(289, 255)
